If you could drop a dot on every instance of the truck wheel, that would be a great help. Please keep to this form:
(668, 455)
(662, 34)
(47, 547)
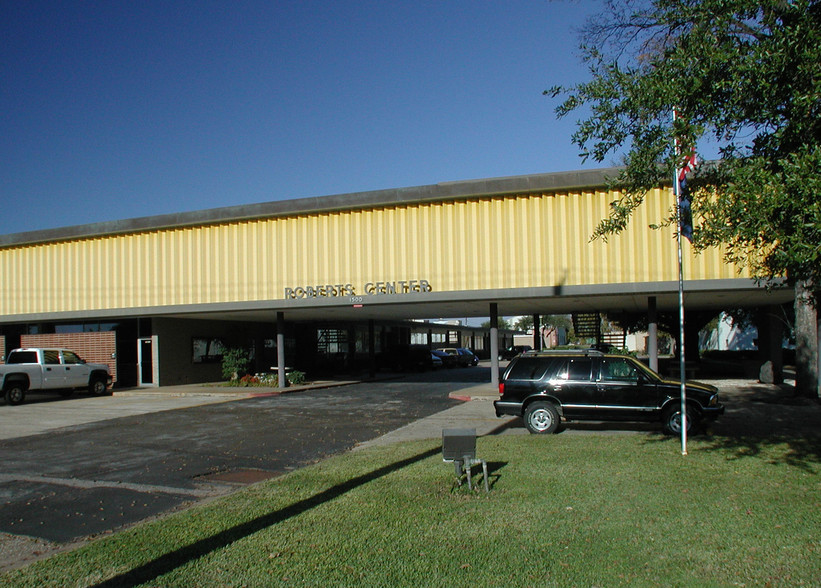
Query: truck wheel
(542, 418)
(98, 387)
(15, 394)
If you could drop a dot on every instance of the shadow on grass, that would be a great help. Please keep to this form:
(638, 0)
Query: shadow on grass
(768, 420)
(803, 452)
(493, 469)
(493, 475)
(175, 559)
(799, 452)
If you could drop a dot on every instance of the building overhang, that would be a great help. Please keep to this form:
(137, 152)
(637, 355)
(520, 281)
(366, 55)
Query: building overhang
(714, 295)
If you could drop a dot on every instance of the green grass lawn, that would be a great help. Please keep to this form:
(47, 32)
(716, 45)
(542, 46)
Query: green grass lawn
(563, 510)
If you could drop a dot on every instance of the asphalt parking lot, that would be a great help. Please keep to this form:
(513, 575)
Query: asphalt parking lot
(80, 468)
(73, 469)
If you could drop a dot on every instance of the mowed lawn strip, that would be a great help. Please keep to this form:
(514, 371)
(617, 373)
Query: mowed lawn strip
(563, 510)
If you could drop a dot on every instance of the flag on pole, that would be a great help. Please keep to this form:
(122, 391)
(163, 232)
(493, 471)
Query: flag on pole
(685, 213)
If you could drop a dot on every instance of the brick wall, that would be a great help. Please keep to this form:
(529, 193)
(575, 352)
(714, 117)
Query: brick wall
(93, 347)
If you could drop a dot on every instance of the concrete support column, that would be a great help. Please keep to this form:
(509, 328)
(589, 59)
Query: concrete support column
(282, 380)
(652, 333)
(770, 339)
(537, 333)
(351, 363)
(371, 348)
(494, 344)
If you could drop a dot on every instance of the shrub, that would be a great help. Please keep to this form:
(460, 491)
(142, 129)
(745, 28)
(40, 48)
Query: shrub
(234, 363)
(296, 377)
(270, 380)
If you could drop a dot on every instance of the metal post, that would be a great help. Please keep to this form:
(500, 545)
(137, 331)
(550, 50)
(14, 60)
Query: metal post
(682, 363)
(683, 371)
(494, 344)
(282, 380)
(653, 334)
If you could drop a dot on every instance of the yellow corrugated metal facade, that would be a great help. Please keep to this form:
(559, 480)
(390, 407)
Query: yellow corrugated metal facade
(480, 243)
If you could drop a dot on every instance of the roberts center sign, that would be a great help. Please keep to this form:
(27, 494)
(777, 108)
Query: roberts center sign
(368, 289)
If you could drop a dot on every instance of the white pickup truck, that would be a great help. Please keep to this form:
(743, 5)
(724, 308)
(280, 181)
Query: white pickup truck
(58, 370)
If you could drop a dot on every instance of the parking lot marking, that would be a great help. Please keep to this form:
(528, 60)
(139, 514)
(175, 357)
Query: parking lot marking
(77, 483)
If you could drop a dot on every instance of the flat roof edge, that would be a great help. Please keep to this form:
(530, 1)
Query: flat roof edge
(554, 181)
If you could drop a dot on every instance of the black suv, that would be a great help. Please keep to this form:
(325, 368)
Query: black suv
(543, 387)
(512, 352)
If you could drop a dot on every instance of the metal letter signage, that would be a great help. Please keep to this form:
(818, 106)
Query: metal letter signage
(348, 290)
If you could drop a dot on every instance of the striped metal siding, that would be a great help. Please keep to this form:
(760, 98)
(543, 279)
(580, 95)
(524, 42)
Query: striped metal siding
(483, 243)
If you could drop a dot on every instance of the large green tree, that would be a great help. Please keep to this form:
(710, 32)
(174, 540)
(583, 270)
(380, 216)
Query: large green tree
(742, 76)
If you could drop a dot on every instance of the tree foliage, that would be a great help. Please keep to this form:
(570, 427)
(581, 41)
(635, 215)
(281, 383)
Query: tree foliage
(525, 323)
(501, 323)
(743, 75)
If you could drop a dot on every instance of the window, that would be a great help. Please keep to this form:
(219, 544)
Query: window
(331, 341)
(23, 357)
(51, 357)
(74, 328)
(70, 357)
(207, 350)
(579, 369)
(618, 369)
(534, 368)
(419, 338)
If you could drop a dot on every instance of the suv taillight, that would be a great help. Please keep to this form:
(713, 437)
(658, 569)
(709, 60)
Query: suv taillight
(501, 388)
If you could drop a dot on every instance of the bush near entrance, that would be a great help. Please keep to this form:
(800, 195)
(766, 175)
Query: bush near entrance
(270, 380)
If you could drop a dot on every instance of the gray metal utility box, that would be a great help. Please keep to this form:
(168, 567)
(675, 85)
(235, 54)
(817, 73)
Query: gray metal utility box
(459, 447)
(458, 444)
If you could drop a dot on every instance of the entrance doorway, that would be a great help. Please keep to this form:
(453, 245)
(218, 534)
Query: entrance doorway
(145, 361)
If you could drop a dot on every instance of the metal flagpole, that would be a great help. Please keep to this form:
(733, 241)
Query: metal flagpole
(682, 371)
(682, 366)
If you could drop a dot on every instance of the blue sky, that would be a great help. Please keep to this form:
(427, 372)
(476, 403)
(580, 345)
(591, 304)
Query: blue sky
(114, 109)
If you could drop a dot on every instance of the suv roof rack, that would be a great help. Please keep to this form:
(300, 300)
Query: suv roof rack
(587, 352)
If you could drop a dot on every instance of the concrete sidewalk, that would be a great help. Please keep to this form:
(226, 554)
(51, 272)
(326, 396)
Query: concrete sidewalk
(475, 412)
(40, 415)
(43, 412)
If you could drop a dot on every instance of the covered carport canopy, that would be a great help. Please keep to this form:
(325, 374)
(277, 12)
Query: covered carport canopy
(633, 298)
(702, 295)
